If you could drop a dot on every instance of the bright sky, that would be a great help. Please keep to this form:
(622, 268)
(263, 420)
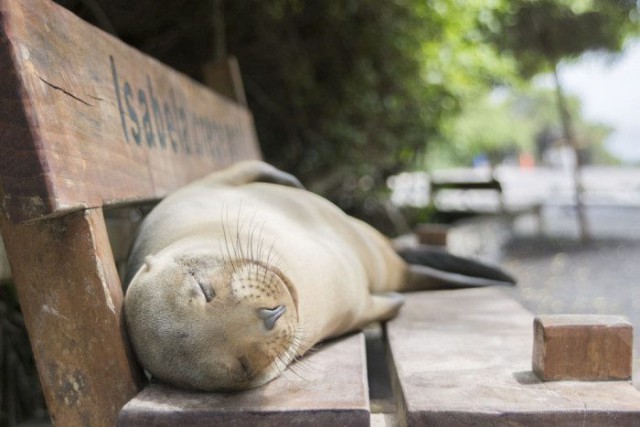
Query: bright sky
(610, 93)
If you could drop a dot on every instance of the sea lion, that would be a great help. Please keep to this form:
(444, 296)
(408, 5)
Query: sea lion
(236, 275)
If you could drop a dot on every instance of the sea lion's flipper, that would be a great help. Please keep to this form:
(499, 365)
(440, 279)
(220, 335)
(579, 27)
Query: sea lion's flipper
(434, 268)
(382, 307)
(248, 171)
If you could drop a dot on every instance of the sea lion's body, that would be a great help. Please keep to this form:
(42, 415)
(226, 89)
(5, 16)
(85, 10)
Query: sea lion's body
(239, 277)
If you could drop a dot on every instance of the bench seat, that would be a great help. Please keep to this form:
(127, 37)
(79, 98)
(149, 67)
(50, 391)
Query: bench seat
(329, 387)
(464, 358)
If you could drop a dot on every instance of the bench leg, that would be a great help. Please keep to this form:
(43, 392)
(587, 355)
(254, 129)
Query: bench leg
(71, 299)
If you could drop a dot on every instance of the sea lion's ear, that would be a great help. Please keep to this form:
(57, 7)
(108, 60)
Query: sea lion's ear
(433, 268)
(148, 262)
(248, 171)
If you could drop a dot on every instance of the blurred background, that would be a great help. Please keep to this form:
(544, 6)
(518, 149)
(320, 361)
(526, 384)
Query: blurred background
(372, 103)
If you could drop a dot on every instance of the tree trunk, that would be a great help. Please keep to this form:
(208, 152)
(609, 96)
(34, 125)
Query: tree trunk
(570, 138)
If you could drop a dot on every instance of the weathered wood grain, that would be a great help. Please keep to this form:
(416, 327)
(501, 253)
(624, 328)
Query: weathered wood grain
(71, 298)
(86, 120)
(325, 388)
(582, 347)
(464, 358)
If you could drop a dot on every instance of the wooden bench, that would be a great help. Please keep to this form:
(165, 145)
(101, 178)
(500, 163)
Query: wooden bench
(88, 125)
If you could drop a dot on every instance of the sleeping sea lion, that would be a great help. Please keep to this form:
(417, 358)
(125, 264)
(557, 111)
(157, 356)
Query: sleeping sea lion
(236, 275)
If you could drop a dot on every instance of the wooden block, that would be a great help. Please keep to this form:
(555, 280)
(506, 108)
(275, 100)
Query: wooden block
(432, 234)
(71, 299)
(326, 388)
(86, 120)
(464, 358)
(582, 347)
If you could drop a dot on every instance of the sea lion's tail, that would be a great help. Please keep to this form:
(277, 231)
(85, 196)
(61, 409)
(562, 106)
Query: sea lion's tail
(434, 268)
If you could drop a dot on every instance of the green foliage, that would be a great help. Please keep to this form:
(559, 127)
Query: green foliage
(488, 127)
(328, 83)
(540, 33)
(342, 90)
(532, 37)
(507, 122)
(459, 56)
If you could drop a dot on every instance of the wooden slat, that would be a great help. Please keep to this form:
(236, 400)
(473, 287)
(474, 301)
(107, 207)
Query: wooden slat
(71, 299)
(464, 358)
(86, 120)
(325, 388)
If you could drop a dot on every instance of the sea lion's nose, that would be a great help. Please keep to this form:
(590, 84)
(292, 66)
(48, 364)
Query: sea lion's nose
(271, 315)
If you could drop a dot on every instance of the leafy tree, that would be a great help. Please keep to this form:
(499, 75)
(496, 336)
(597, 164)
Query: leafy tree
(483, 127)
(541, 33)
(508, 121)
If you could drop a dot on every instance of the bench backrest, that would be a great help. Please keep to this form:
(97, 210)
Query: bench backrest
(88, 122)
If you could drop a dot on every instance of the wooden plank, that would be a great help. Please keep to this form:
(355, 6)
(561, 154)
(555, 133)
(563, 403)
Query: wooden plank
(464, 358)
(582, 347)
(71, 299)
(325, 388)
(86, 120)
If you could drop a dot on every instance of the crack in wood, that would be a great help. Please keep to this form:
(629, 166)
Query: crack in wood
(65, 92)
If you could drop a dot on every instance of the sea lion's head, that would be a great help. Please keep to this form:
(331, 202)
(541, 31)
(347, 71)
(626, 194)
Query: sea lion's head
(211, 323)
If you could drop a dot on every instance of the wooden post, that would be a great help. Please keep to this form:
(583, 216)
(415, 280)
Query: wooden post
(432, 234)
(224, 77)
(71, 298)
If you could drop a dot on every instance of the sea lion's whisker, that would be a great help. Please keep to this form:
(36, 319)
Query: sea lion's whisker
(239, 227)
(252, 231)
(295, 372)
(304, 366)
(227, 242)
(260, 243)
